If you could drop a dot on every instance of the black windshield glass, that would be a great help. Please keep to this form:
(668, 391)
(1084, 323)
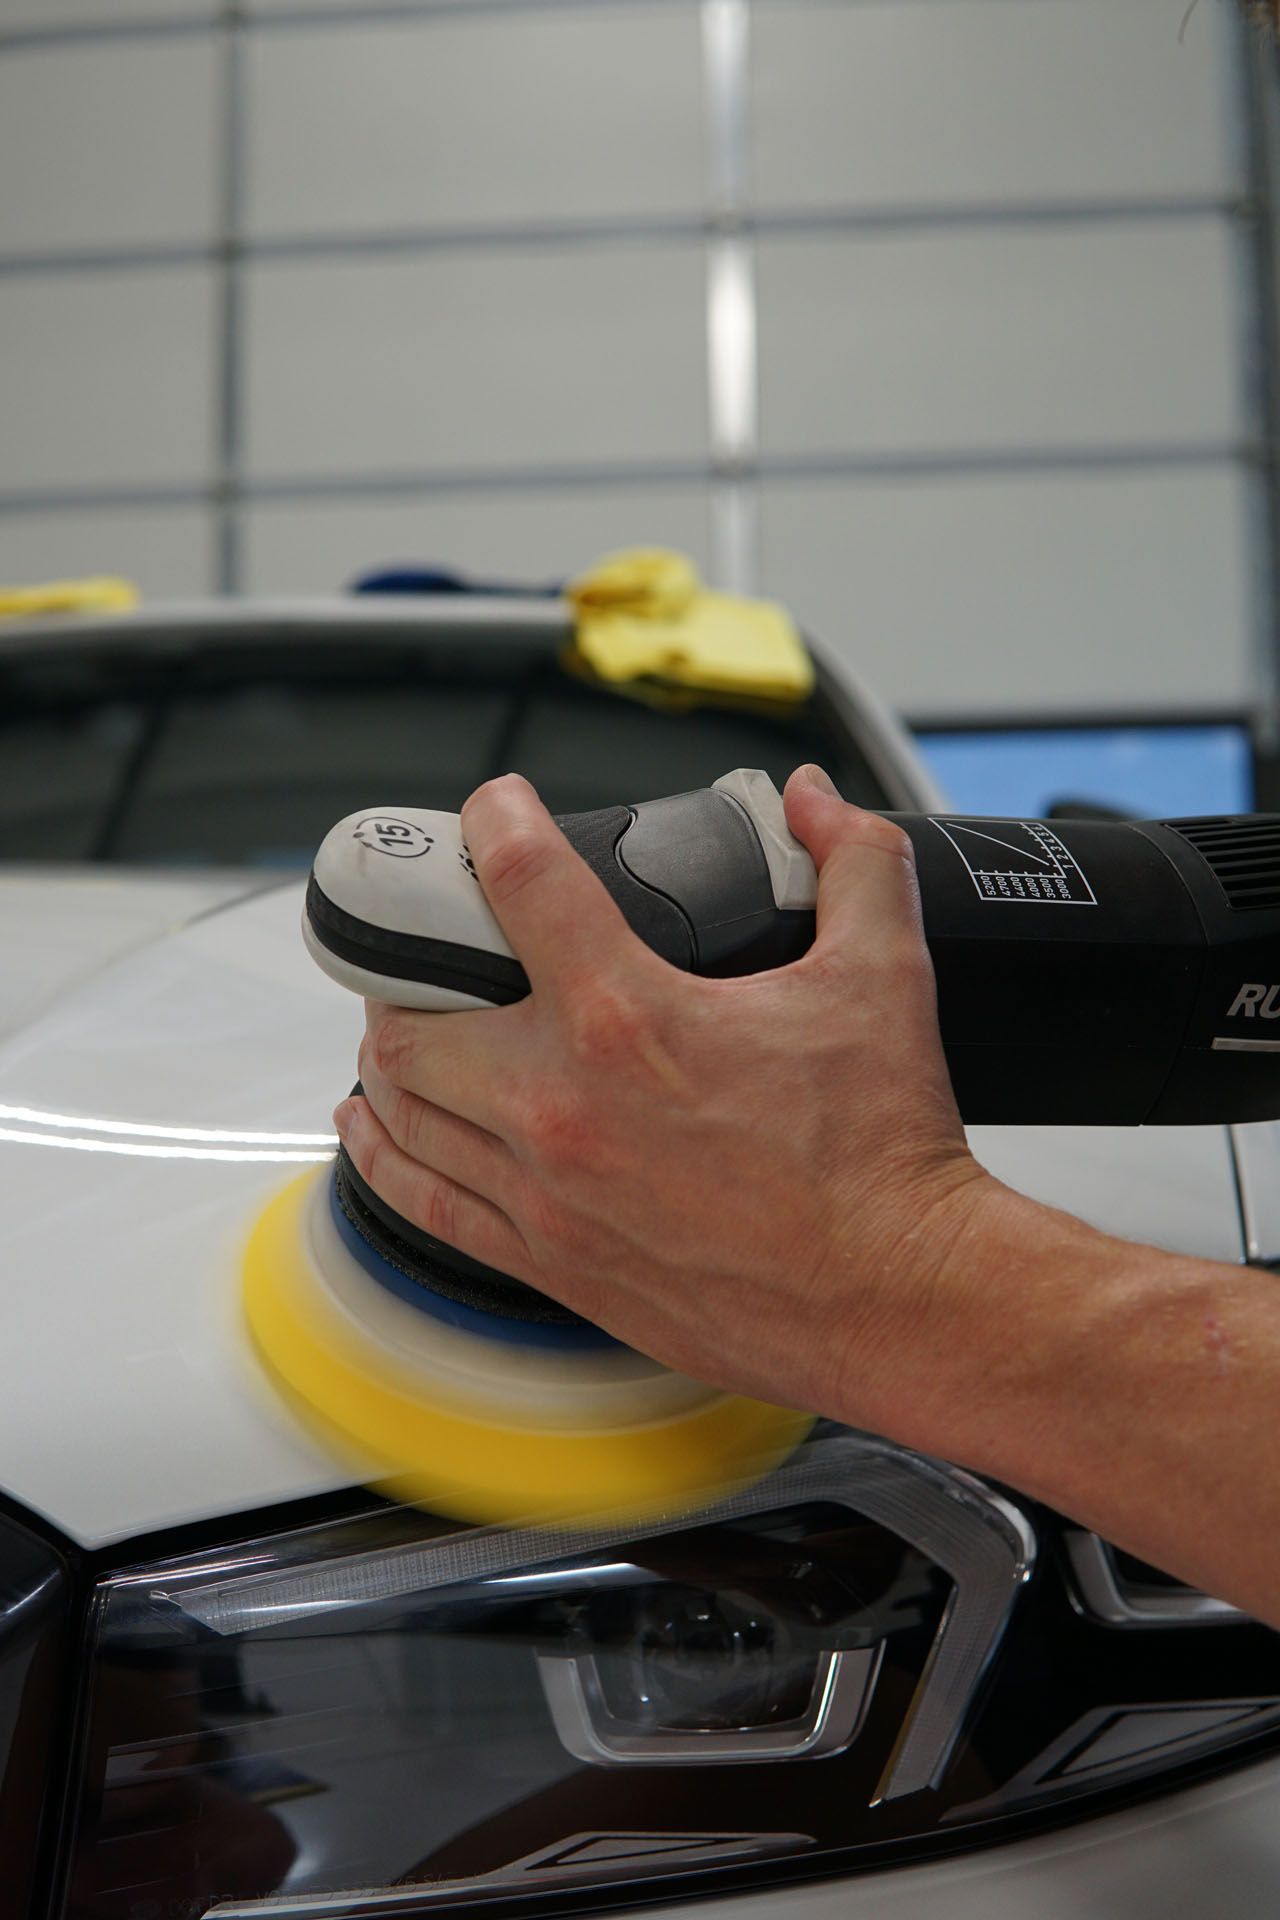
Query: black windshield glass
(248, 754)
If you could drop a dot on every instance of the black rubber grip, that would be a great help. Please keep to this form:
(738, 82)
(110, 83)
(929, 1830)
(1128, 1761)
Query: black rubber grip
(411, 956)
(657, 920)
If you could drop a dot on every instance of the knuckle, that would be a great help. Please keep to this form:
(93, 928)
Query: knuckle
(438, 1211)
(561, 1133)
(515, 859)
(388, 1043)
(372, 1155)
(883, 836)
(608, 1024)
(366, 1064)
(404, 1122)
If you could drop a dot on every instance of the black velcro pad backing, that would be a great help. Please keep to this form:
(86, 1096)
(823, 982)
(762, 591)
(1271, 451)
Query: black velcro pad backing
(431, 1264)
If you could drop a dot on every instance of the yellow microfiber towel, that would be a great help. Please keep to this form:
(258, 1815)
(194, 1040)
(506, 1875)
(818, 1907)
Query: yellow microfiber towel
(643, 615)
(104, 593)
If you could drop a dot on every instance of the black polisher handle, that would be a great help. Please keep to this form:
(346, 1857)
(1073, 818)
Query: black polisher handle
(1089, 972)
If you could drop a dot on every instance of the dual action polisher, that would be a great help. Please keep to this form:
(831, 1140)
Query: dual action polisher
(1089, 972)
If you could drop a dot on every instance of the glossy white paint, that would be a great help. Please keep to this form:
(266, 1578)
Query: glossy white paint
(60, 926)
(150, 1113)
(1211, 1853)
(1257, 1152)
(131, 1400)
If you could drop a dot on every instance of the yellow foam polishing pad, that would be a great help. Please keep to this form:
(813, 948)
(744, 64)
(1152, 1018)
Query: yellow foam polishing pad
(458, 1453)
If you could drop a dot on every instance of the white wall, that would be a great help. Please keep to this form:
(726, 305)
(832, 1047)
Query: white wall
(972, 269)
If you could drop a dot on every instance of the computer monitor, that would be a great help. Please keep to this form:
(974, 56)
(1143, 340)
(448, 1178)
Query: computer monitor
(1141, 767)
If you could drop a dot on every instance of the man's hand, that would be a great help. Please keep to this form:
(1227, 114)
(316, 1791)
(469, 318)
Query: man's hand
(764, 1182)
(754, 1180)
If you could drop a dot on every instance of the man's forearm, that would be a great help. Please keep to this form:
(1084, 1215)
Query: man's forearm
(1134, 1390)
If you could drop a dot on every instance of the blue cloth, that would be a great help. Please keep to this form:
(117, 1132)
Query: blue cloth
(421, 579)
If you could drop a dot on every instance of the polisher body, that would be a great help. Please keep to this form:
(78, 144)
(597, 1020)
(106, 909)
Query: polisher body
(1102, 973)
(1088, 972)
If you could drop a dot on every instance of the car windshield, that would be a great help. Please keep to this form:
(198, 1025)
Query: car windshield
(189, 751)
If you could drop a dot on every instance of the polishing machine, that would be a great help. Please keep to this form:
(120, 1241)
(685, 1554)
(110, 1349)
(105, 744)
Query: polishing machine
(1088, 972)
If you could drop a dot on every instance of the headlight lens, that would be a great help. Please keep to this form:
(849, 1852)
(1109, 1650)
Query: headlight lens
(35, 1605)
(385, 1715)
(377, 1705)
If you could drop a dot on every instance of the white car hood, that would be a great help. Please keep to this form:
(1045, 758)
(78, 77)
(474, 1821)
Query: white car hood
(62, 926)
(132, 1400)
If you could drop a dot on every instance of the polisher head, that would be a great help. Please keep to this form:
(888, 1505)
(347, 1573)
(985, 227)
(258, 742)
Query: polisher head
(457, 1388)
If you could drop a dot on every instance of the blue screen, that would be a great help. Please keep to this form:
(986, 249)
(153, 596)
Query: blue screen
(1153, 771)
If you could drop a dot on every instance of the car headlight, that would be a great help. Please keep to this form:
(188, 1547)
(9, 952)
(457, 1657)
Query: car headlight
(846, 1663)
(35, 1609)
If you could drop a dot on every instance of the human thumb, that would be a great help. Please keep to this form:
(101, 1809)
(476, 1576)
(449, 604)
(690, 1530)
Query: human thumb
(867, 892)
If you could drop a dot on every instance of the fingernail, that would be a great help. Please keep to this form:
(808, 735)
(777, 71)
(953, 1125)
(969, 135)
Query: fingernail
(822, 781)
(344, 1119)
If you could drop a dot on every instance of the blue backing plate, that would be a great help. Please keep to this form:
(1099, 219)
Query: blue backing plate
(579, 1337)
